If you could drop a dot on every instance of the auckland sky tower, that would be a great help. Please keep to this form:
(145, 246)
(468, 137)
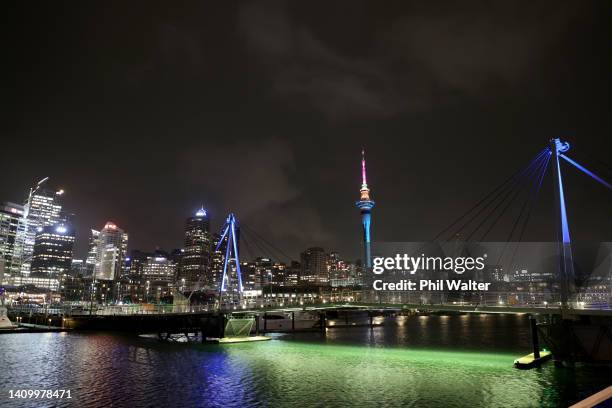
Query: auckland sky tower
(365, 204)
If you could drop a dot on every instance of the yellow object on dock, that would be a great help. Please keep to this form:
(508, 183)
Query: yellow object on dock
(529, 361)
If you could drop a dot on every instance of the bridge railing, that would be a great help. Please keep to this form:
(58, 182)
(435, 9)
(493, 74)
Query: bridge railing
(488, 299)
(433, 298)
(102, 310)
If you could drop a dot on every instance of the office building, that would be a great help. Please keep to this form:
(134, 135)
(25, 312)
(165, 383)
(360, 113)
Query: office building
(314, 267)
(195, 262)
(110, 250)
(10, 216)
(77, 268)
(52, 255)
(158, 275)
(42, 209)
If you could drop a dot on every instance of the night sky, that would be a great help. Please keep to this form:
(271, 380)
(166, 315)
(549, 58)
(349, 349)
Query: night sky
(143, 111)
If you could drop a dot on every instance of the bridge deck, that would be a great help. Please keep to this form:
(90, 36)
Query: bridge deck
(463, 308)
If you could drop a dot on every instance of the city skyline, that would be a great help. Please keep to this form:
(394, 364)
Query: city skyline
(84, 240)
(144, 131)
(296, 204)
(82, 247)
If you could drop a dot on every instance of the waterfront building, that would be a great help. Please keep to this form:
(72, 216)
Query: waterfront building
(263, 272)
(314, 267)
(110, 251)
(52, 256)
(158, 275)
(294, 296)
(159, 267)
(42, 208)
(148, 276)
(365, 204)
(195, 263)
(101, 291)
(73, 288)
(10, 216)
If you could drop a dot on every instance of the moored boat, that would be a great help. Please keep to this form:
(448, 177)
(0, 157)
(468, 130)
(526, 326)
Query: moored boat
(284, 321)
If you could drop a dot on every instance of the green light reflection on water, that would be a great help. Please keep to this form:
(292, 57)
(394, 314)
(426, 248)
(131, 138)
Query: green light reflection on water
(290, 373)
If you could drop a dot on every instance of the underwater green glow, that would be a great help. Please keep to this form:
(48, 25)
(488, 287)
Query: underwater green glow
(333, 375)
(430, 361)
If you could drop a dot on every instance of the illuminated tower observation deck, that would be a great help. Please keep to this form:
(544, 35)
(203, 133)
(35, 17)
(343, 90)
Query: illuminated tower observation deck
(365, 204)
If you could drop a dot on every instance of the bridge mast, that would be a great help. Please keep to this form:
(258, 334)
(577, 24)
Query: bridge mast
(566, 264)
(231, 252)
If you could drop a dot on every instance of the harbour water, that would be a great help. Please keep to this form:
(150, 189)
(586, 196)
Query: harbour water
(429, 361)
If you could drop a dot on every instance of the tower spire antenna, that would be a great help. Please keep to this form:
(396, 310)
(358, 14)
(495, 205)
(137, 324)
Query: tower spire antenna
(201, 212)
(364, 180)
(365, 205)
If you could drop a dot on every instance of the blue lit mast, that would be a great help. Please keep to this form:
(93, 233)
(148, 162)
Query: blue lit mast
(566, 264)
(557, 148)
(365, 204)
(231, 252)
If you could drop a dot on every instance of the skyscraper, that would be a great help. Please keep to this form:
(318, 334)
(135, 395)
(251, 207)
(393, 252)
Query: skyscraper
(111, 250)
(10, 216)
(365, 204)
(213, 278)
(195, 270)
(42, 208)
(52, 255)
(92, 254)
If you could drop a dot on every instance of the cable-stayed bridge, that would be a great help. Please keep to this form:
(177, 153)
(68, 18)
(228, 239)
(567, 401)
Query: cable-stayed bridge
(574, 328)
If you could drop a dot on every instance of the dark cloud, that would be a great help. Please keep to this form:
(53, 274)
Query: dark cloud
(467, 47)
(174, 51)
(419, 58)
(301, 64)
(262, 108)
(255, 180)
